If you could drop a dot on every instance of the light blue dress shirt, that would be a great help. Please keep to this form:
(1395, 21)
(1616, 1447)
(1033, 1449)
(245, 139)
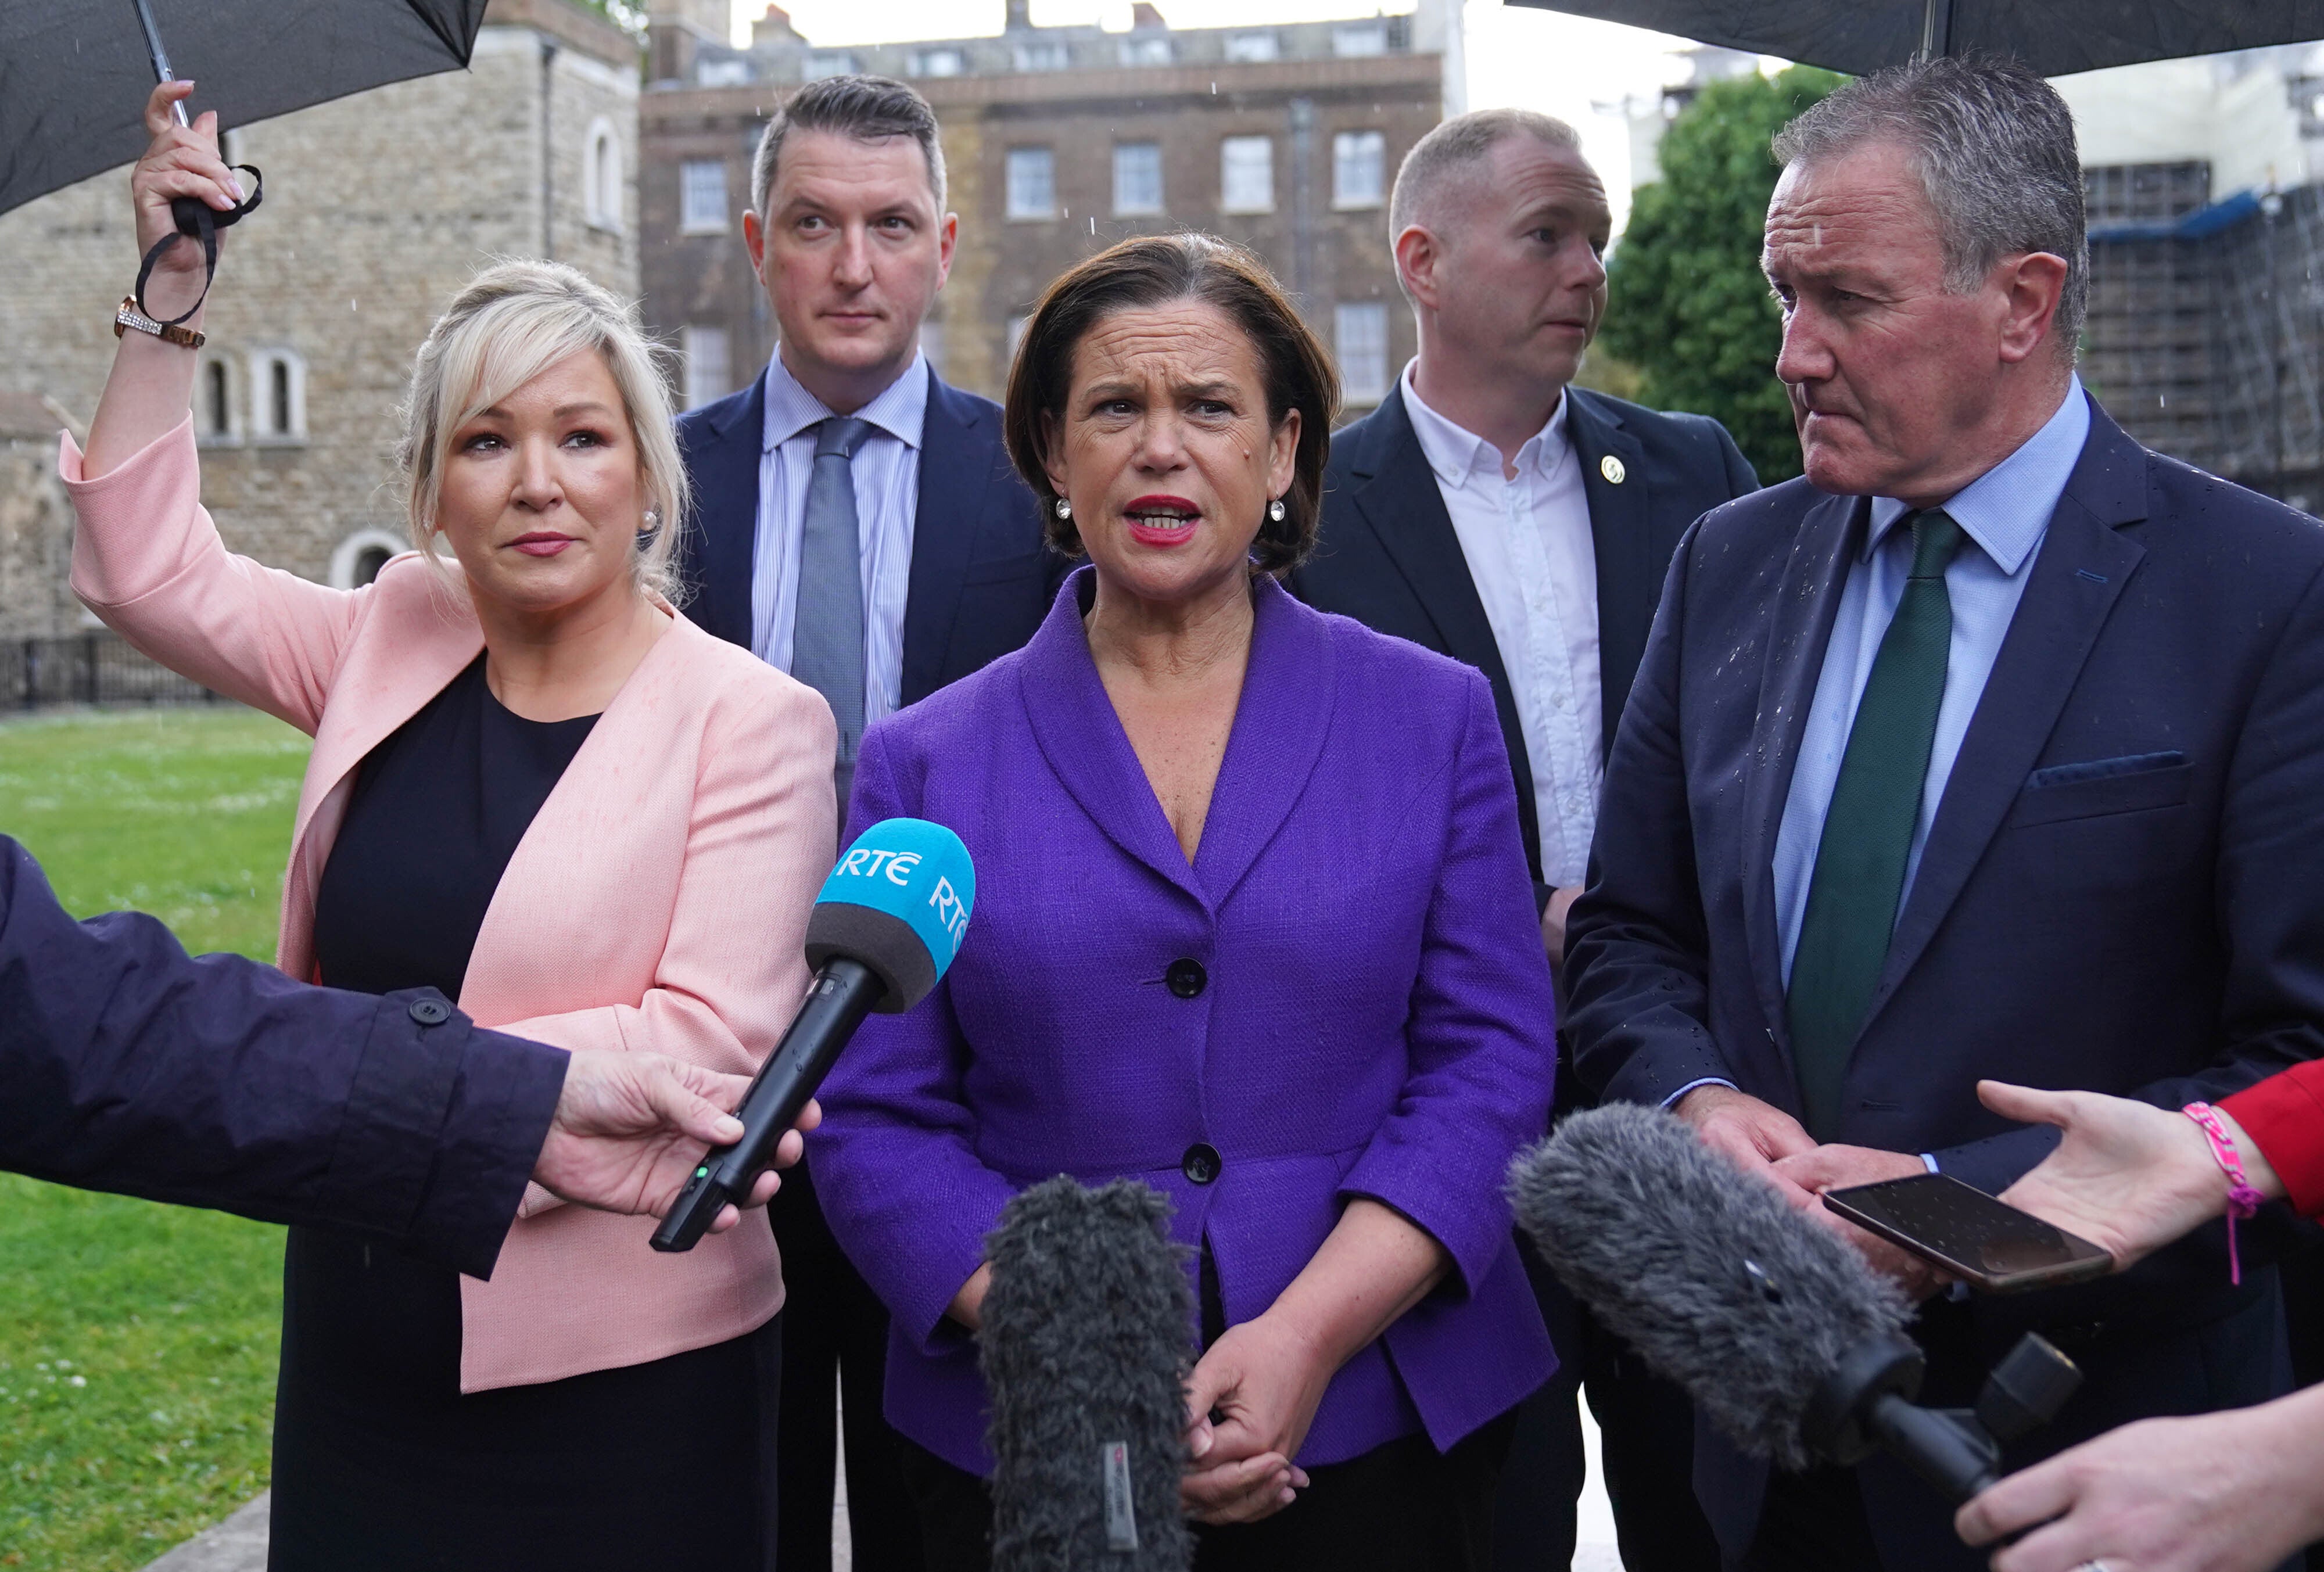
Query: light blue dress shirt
(887, 474)
(2003, 513)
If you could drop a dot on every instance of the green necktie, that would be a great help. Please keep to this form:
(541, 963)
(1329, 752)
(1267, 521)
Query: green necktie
(1867, 831)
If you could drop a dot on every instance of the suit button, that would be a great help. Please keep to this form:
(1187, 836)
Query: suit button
(1186, 978)
(1200, 1162)
(429, 1012)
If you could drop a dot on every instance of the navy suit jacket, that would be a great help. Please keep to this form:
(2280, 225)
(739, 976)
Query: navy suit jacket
(126, 1065)
(983, 577)
(2123, 889)
(1387, 555)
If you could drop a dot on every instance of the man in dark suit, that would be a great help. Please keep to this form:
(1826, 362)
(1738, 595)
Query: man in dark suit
(127, 1065)
(1993, 747)
(858, 525)
(1493, 512)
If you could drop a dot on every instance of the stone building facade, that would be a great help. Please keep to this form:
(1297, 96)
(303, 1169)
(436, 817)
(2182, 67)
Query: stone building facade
(1059, 141)
(378, 209)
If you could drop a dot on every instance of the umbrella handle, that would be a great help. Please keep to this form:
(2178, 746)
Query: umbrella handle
(161, 57)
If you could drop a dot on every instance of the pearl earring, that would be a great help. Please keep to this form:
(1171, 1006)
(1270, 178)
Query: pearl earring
(1275, 511)
(1065, 509)
(652, 522)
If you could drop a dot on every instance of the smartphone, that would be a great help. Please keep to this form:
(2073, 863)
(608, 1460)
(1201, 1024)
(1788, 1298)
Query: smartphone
(1992, 1248)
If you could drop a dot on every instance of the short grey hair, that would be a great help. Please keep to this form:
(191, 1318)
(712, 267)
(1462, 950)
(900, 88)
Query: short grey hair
(1993, 145)
(513, 321)
(1451, 149)
(865, 107)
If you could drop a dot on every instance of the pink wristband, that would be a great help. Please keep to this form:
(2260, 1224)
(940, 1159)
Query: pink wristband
(2243, 1200)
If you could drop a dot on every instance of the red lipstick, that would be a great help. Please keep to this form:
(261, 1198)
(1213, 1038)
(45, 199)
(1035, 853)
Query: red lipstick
(1161, 519)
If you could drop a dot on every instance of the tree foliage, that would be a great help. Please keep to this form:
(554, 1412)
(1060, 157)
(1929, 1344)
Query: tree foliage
(1687, 305)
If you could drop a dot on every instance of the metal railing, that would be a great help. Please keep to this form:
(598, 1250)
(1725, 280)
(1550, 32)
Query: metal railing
(94, 667)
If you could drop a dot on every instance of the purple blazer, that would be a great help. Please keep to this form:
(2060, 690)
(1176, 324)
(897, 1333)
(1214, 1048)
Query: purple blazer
(1344, 995)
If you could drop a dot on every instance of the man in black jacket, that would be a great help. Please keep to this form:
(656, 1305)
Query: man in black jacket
(127, 1065)
(1491, 511)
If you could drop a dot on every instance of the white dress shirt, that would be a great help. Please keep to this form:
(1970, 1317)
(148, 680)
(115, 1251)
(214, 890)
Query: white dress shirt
(1530, 554)
(887, 471)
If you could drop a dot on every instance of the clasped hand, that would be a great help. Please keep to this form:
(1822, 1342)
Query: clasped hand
(1263, 1381)
(1767, 1143)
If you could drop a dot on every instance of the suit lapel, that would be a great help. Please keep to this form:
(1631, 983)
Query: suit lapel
(726, 513)
(1397, 497)
(1081, 737)
(2081, 567)
(956, 472)
(1799, 628)
(1621, 517)
(1280, 723)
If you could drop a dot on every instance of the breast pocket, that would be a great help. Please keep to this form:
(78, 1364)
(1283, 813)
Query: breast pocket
(2097, 787)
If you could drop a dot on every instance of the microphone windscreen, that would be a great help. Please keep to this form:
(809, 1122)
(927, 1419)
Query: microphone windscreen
(1708, 1273)
(1086, 1342)
(898, 901)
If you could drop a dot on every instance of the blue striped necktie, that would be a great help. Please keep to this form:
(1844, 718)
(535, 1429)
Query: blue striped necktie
(827, 628)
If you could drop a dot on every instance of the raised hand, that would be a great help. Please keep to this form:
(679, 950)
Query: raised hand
(181, 160)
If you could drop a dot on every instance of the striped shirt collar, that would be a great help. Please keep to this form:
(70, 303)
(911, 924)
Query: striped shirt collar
(900, 409)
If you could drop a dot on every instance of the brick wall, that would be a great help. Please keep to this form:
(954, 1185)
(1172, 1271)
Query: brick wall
(378, 209)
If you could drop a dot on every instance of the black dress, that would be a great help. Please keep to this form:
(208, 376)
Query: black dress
(378, 1460)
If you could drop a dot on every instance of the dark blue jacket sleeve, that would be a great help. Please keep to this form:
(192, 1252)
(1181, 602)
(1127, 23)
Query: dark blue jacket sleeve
(127, 1065)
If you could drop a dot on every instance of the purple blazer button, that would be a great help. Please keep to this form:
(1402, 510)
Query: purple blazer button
(1186, 978)
(1202, 1162)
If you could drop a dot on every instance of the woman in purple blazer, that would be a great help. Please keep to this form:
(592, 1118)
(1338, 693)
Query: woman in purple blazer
(1253, 926)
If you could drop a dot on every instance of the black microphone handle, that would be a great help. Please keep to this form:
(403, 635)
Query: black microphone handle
(1953, 1454)
(843, 993)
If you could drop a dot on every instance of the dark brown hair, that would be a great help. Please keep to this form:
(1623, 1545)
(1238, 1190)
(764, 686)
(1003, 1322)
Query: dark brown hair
(1154, 270)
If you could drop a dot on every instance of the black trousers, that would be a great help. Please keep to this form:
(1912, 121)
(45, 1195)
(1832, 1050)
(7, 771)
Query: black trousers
(834, 1345)
(1401, 1507)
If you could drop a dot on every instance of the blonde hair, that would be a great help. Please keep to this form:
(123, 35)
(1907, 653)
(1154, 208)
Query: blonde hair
(513, 321)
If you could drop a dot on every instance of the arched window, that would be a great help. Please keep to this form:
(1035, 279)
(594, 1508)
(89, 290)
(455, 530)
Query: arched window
(214, 421)
(278, 396)
(356, 560)
(600, 175)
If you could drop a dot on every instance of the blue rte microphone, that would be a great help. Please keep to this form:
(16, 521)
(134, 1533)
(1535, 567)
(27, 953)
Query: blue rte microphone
(887, 925)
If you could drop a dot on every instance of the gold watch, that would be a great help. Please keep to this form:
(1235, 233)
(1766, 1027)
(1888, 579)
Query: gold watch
(129, 315)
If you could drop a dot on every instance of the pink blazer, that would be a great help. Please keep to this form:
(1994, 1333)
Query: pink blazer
(658, 902)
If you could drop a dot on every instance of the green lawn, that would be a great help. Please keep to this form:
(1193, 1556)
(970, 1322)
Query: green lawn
(137, 1342)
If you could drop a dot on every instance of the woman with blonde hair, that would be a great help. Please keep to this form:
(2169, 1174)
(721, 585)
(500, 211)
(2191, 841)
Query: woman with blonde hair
(538, 789)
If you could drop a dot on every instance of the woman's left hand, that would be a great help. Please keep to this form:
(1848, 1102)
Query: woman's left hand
(1264, 1379)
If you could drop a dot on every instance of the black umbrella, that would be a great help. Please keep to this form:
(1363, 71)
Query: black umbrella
(2053, 37)
(75, 74)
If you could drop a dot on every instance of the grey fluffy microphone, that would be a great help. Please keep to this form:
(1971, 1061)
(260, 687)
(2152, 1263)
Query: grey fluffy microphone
(1779, 1331)
(1712, 1278)
(1086, 1343)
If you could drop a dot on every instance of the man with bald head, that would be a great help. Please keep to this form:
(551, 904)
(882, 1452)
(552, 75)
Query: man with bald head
(1495, 513)
(1992, 748)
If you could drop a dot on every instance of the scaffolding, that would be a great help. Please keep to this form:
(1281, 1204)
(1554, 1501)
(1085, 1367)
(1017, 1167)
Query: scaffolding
(2206, 328)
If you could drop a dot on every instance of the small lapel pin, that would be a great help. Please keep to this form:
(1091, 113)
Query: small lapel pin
(1611, 468)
